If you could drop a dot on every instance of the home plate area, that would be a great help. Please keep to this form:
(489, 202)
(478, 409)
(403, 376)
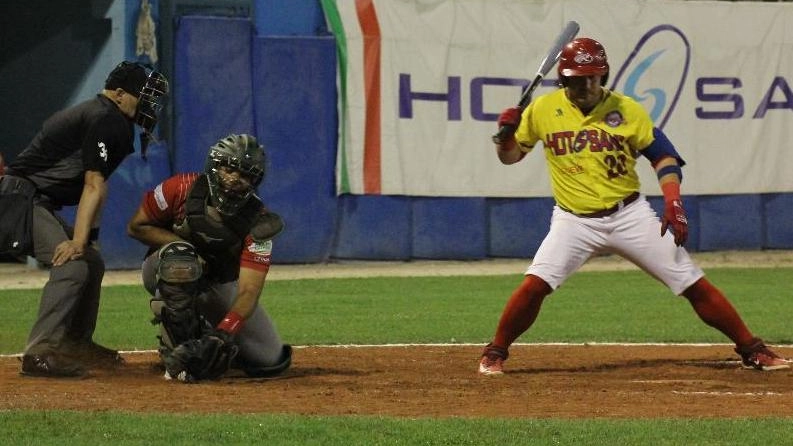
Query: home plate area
(540, 381)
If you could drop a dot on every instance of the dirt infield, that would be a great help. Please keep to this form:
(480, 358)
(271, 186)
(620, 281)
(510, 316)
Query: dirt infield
(548, 381)
(596, 381)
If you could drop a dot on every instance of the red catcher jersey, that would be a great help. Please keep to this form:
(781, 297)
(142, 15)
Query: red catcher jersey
(165, 206)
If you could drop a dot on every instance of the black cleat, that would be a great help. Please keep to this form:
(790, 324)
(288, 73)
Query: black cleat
(50, 365)
(94, 355)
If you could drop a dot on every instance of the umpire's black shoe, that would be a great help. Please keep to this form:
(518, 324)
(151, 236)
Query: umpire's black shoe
(51, 365)
(93, 354)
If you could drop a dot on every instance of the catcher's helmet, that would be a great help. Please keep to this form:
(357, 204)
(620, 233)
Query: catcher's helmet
(146, 84)
(240, 153)
(583, 57)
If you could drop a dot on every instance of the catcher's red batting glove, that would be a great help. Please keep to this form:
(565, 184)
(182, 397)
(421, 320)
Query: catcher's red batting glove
(674, 214)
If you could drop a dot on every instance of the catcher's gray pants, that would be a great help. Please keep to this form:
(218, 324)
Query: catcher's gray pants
(259, 342)
(70, 299)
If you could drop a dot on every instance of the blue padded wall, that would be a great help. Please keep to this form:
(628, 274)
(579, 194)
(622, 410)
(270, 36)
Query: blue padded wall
(778, 221)
(212, 85)
(518, 226)
(288, 17)
(126, 188)
(374, 228)
(449, 228)
(730, 222)
(295, 103)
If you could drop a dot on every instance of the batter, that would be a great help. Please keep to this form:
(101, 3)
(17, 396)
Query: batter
(593, 138)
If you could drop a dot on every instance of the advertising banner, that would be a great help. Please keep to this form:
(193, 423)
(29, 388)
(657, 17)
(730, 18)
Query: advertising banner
(422, 82)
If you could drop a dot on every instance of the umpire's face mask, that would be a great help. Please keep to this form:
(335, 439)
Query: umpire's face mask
(151, 101)
(149, 86)
(150, 104)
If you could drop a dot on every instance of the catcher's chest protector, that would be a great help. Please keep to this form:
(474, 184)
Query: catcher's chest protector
(219, 244)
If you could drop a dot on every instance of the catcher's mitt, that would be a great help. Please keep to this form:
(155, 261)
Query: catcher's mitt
(208, 357)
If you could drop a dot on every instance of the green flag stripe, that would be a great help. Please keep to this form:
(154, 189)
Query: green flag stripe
(336, 25)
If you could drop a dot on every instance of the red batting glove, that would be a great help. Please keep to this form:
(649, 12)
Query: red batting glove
(510, 117)
(508, 122)
(674, 214)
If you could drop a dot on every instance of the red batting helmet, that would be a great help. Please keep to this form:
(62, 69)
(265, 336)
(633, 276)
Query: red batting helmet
(583, 57)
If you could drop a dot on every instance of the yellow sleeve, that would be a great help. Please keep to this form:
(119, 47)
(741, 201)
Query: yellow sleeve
(642, 136)
(525, 132)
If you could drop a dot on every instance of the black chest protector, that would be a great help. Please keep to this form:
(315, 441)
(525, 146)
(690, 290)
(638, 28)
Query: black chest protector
(218, 242)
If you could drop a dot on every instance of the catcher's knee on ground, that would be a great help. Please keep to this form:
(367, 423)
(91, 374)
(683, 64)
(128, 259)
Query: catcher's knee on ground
(261, 371)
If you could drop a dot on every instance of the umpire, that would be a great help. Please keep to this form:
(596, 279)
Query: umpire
(68, 163)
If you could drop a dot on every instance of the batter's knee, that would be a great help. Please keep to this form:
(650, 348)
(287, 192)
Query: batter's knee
(700, 289)
(535, 286)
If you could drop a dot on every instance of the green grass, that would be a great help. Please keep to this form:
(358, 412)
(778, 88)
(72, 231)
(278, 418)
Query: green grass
(591, 306)
(58, 428)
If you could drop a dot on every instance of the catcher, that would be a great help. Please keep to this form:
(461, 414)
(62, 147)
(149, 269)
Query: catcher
(210, 240)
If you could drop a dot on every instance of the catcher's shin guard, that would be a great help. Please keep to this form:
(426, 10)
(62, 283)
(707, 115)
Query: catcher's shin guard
(178, 274)
(174, 309)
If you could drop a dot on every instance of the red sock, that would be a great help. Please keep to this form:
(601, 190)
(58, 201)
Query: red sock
(521, 310)
(715, 310)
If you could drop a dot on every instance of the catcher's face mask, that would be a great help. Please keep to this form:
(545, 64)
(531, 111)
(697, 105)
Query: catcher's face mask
(234, 168)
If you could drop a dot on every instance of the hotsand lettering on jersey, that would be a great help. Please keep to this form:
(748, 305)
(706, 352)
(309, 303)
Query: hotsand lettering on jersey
(595, 140)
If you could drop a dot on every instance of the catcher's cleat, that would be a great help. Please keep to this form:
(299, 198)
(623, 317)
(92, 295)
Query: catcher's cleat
(491, 365)
(759, 357)
(182, 376)
(50, 365)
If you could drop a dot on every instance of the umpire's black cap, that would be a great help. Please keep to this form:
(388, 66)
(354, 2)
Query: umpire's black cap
(129, 76)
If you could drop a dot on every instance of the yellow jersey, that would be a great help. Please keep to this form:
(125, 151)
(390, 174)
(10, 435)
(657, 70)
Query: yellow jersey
(591, 159)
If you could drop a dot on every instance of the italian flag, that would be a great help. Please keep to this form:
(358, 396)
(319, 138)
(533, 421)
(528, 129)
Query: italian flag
(417, 103)
(365, 15)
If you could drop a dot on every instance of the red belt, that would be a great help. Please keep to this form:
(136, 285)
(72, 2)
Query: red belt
(606, 212)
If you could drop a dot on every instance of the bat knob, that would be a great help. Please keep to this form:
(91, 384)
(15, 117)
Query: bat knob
(505, 132)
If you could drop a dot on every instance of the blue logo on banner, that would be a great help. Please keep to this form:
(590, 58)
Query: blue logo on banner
(661, 98)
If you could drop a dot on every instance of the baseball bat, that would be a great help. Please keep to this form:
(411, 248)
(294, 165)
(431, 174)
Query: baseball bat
(568, 33)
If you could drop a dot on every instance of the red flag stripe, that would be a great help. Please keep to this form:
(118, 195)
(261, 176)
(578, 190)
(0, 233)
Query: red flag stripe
(370, 29)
